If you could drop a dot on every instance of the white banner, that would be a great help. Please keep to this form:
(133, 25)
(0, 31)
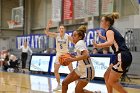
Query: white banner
(86, 8)
(79, 9)
(56, 10)
(92, 8)
(107, 6)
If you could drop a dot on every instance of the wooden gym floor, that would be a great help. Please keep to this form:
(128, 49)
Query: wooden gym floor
(26, 83)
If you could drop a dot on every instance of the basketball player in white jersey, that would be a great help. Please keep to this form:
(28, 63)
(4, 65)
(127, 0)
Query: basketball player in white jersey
(62, 40)
(85, 70)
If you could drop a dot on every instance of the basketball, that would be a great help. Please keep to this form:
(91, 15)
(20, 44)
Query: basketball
(62, 59)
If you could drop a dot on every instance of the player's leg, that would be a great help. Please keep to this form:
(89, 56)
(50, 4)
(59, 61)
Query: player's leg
(56, 72)
(57, 75)
(114, 81)
(106, 76)
(70, 78)
(124, 61)
(83, 82)
(70, 66)
(80, 87)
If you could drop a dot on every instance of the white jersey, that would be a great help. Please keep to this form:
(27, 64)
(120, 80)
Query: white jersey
(62, 44)
(85, 67)
(79, 47)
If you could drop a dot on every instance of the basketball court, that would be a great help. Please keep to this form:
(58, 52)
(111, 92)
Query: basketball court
(26, 83)
(25, 21)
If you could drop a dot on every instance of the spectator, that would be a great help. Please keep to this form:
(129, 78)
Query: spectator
(95, 51)
(11, 63)
(25, 48)
(53, 51)
(106, 50)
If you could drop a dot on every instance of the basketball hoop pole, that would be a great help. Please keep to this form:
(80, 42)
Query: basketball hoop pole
(0, 15)
(22, 3)
(27, 16)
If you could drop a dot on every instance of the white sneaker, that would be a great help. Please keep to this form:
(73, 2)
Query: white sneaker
(59, 87)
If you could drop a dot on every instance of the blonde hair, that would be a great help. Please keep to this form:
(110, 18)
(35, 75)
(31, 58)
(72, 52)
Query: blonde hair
(115, 15)
(111, 17)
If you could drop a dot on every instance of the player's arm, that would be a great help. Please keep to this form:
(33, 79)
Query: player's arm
(108, 43)
(100, 35)
(84, 55)
(47, 32)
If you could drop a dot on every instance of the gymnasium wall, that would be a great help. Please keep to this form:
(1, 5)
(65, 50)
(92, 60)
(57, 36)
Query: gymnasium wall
(6, 6)
(135, 66)
(38, 12)
(7, 36)
(129, 7)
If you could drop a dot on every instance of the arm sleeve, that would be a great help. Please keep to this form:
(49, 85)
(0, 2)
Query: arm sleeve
(30, 50)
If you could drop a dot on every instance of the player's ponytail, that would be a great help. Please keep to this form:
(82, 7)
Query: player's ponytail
(112, 17)
(115, 15)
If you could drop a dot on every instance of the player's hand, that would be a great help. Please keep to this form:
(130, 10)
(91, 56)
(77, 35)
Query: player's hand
(95, 45)
(99, 33)
(72, 54)
(69, 60)
(49, 24)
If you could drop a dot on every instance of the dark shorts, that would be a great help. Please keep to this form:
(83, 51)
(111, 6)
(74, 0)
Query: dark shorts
(122, 62)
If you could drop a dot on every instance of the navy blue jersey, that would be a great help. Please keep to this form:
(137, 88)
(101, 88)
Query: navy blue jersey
(119, 40)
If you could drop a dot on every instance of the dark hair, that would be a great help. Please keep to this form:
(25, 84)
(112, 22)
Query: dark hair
(111, 18)
(81, 31)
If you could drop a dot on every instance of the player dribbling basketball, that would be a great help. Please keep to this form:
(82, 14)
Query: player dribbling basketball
(85, 70)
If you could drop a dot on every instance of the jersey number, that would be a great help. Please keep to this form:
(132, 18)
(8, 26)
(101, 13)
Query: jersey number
(61, 47)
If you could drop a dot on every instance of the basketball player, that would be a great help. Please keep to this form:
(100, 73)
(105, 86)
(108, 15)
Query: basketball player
(123, 59)
(62, 40)
(85, 70)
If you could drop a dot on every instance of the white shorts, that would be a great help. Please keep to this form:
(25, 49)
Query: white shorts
(57, 57)
(87, 73)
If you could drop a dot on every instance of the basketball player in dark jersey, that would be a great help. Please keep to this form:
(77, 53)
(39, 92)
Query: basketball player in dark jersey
(123, 56)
